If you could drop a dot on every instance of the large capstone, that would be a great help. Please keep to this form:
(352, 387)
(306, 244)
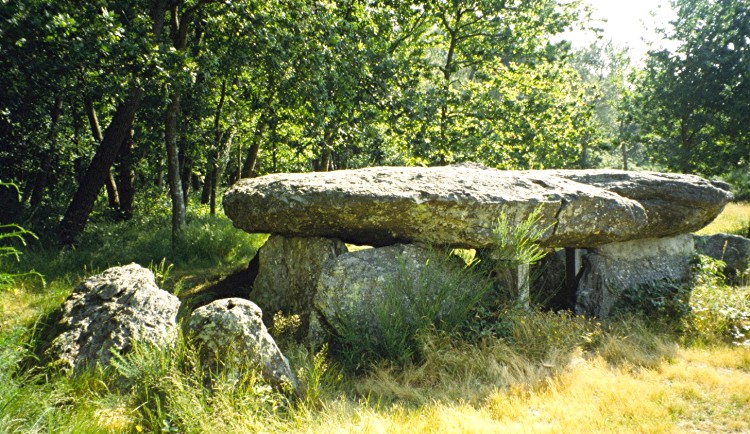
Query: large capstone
(230, 333)
(674, 203)
(110, 311)
(287, 277)
(611, 269)
(458, 206)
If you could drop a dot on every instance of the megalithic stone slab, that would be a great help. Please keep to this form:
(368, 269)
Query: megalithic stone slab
(675, 203)
(456, 206)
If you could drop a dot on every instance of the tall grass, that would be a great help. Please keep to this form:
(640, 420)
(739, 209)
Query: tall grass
(439, 296)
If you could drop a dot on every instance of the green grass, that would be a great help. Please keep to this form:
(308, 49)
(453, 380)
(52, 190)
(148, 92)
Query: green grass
(501, 371)
(735, 219)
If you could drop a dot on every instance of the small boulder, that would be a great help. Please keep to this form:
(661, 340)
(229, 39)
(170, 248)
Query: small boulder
(108, 312)
(734, 250)
(231, 331)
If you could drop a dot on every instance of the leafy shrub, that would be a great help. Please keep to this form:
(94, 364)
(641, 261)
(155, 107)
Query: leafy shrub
(739, 179)
(516, 246)
(719, 313)
(664, 301)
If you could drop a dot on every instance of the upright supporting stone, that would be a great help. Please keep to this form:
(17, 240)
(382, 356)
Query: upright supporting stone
(613, 268)
(288, 272)
(572, 267)
(522, 286)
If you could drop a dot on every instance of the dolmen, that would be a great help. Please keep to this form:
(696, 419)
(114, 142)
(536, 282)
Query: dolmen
(622, 229)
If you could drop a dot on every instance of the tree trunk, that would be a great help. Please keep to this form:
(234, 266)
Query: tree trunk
(206, 191)
(80, 207)
(325, 160)
(96, 131)
(248, 167)
(173, 168)
(186, 171)
(126, 178)
(119, 128)
(326, 154)
(219, 169)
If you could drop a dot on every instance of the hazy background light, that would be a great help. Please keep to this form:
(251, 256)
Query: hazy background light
(630, 24)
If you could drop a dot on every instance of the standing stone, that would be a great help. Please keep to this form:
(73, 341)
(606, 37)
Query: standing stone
(288, 275)
(230, 332)
(734, 250)
(110, 311)
(613, 268)
(358, 291)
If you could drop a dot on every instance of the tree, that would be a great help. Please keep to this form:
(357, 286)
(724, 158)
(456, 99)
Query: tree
(692, 102)
(118, 130)
(605, 70)
(492, 79)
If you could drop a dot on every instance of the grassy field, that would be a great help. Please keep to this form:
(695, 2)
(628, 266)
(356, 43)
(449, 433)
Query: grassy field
(525, 371)
(735, 219)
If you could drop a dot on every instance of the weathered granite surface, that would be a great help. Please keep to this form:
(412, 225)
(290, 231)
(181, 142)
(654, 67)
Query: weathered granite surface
(459, 205)
(287, 277)
(110, 311)
(362, 291)
(609, 270)
(230, 332)
(734, 250)
(674, 203)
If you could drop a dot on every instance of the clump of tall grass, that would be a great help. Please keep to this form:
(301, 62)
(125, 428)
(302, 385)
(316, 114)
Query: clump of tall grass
(440, 296)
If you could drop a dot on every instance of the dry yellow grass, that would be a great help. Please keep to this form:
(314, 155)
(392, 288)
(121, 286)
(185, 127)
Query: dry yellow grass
(701, 390)
(734, 219)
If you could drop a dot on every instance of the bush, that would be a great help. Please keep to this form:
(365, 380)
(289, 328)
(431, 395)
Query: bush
(739, 179)
(718, 312)
(663, 302)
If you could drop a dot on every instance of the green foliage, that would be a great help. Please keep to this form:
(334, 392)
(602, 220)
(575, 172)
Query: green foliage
(739, 179)
(719, 313)
(173, 391)
(8, 234)
(441, 296)
(517, 243)
(689, 100)
(705, 311)
(209, 241)
(664, 302)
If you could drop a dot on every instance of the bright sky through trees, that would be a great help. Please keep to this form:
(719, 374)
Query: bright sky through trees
(631, 23)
